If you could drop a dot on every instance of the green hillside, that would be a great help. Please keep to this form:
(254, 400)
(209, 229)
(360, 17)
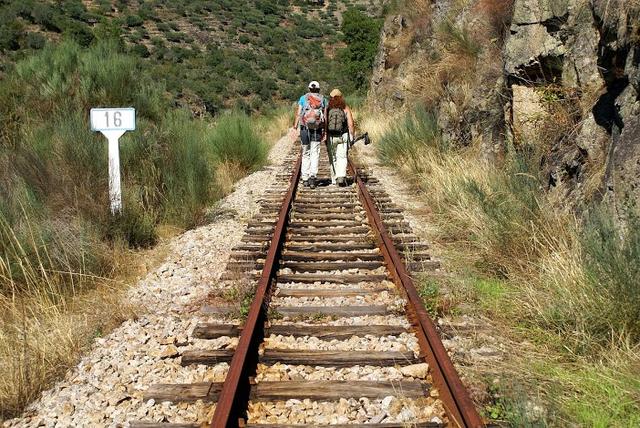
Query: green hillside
(211, 54)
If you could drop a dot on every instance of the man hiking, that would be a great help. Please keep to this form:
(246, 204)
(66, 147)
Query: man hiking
(339, 129)
(311, 122)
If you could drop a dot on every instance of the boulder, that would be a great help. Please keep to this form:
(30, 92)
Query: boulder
(528, 113)
(593, 139)
(624, 168)
(580, 68)
(529, 46)
(536, 11)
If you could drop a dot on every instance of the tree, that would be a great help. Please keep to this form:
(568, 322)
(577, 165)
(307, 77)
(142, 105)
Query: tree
(361, 33)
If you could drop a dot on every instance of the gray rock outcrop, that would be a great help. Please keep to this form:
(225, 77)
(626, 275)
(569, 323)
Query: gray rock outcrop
(567, 84)
(585, 54)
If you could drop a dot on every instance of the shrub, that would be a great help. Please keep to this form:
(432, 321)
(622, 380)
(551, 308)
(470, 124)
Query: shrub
(612, 263)
(140, 50)
(361, 34)
(35, 41)
(133, 21)
(235, 140)
(403, 144)
(79, 32)
(63, 163)
(10, 34)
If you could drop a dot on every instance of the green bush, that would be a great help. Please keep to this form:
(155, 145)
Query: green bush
(235, 140)
(79, 32)
(133, 21)
(362, 34)
(52, 163)
(35, 41)
(141, 51)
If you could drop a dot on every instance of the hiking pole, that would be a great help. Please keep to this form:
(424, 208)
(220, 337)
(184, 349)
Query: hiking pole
(330, 154)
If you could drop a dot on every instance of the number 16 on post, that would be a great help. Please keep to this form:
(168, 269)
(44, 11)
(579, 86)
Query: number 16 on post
(113, 123)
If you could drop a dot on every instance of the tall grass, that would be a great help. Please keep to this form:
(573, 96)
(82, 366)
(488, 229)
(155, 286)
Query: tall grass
(612, 259)
(58, 243)
(581, 273)
(573, 281)
(407, 140)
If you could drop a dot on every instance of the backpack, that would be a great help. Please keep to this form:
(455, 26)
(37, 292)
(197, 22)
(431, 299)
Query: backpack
(336, 121)
(312, 113)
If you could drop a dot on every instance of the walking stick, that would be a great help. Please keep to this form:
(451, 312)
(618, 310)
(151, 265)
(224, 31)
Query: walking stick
(329, 146)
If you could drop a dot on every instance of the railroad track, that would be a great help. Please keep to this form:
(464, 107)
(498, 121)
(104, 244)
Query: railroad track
(336, 333)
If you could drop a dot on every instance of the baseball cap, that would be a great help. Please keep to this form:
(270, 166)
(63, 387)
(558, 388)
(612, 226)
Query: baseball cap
(314, 85)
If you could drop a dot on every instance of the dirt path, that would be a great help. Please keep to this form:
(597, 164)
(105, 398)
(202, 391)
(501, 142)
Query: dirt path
(105, 389)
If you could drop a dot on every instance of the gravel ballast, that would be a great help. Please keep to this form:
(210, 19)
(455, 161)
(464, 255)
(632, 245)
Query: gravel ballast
(105, 389)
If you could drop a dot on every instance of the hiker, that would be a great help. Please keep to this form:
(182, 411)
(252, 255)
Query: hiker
(340, 131)
(310, 119)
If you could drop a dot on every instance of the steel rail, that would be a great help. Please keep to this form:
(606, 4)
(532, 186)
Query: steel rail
(234, 397)
(454, 395)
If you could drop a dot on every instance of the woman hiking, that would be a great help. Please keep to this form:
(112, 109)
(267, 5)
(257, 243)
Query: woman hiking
(339, 131)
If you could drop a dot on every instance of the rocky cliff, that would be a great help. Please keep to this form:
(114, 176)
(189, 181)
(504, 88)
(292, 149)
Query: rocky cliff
(559, 77)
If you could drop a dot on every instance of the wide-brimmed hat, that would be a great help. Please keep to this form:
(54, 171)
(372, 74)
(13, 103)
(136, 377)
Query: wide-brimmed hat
(335, 93)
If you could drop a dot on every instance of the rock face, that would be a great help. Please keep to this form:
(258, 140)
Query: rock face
(623, 175)
(412, 66)
(564, 79)
(587, 51)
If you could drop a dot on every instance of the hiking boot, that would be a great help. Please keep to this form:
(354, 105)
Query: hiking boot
(305, 183)
(341, 181)
(312, 182)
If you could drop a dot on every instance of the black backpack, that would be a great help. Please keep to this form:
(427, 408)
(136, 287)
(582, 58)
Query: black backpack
(336, 121)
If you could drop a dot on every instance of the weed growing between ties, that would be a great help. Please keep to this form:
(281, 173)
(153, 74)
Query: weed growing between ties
(566, 284)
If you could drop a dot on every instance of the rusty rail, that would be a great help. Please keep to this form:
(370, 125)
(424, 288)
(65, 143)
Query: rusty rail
(452, 392)
(234, 397)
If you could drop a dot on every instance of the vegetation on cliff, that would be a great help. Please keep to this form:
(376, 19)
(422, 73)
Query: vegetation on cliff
(504, 192)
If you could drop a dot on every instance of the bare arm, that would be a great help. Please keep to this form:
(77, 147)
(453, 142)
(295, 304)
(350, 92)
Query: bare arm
(326, 123)
(297, 119)
(350, 123)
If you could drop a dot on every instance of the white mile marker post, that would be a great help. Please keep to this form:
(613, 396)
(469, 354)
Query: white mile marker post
(113, 123)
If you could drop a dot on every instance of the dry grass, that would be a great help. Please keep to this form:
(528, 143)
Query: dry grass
(540, 287)
(497, 13)
(50, 317)
(40, 339)
(430, 80)
(226, 175)
(275, 125)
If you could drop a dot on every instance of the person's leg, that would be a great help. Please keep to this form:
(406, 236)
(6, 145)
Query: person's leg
(333, 142)
(306, 152)
(314, 156)
(341, 158)
(306, 162)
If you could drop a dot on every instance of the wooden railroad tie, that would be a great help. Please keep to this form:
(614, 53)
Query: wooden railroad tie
(324, 332)
(285, 390)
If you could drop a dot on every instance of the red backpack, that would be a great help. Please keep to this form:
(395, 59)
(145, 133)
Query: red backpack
(312, 111)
